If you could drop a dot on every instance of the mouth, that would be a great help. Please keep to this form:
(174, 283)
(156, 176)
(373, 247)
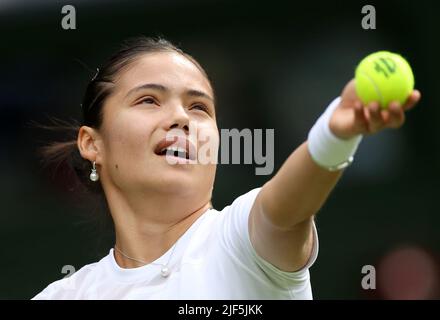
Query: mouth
(178, 147)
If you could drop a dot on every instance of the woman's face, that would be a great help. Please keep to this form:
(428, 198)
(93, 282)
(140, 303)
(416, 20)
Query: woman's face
(159, 95)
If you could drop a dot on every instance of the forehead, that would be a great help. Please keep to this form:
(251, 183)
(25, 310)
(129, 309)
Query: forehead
(170, 69)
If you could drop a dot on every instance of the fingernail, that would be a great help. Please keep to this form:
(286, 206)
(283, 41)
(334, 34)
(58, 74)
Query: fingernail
(394, 106)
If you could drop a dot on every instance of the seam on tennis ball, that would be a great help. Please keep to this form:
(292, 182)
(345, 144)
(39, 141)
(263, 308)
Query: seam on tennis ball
(375, 88)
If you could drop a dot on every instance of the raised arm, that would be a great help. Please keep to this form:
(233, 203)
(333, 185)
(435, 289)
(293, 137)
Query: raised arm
(280, 221)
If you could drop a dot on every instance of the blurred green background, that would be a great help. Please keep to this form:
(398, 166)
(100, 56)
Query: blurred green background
(274, 64)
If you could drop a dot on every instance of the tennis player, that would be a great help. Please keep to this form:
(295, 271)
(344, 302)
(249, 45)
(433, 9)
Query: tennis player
(170, 242)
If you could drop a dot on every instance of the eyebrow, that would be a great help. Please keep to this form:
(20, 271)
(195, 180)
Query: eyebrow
(160, 87)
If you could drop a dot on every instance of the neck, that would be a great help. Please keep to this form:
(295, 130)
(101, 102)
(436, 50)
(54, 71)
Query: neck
(145, 230)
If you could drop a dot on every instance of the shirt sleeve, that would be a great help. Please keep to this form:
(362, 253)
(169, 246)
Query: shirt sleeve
(53, 291)
(237, 241)
(71, 287)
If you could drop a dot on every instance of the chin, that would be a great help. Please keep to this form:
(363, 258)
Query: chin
(178, 182)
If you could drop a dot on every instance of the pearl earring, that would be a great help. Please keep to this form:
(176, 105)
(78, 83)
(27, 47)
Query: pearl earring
(94, 176)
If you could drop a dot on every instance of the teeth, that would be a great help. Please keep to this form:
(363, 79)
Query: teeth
(176, 151)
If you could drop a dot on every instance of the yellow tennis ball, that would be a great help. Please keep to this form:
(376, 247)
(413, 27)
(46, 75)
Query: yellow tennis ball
(384, 77)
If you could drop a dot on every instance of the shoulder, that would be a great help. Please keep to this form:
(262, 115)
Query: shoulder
(237, 212)
(235, 239)
(70, 287)
(242, 203)
(232, 216)
(219, 226)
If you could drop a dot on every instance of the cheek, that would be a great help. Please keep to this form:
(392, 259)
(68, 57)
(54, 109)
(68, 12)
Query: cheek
(128, 138)
(207, 133)
(208, 145)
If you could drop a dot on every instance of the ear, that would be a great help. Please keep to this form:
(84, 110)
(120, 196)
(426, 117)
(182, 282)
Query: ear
(90, 144)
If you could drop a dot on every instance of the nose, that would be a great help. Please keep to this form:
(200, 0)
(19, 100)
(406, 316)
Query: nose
(178, 118)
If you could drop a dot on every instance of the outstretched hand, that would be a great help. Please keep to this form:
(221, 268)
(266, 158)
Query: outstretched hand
(351, 118)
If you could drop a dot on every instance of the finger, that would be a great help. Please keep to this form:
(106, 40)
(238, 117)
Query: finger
(375, 122)
(385, 113)
(396, 115)
(412, 100)
(360, 119)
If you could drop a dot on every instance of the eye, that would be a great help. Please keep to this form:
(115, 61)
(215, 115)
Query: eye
(201, 107)
(147, 100)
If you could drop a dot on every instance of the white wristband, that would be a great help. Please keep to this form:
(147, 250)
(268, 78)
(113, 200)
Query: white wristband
(326, 149)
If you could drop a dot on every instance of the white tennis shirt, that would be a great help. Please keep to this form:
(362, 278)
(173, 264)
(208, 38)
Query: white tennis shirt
(213, 259)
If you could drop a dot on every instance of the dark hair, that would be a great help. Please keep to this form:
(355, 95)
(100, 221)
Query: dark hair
(97, 91)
